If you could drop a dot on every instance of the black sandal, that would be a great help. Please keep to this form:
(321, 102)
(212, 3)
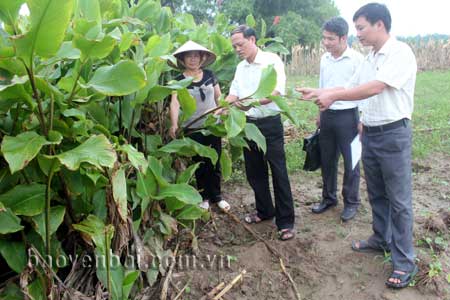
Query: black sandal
(405, 279)
(365, 247)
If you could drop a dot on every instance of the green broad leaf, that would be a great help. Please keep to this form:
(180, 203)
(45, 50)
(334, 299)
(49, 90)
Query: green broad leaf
(187, 103)
(119, 187)
(9, 10)
(14, 254)
(225, 164)
(158, 93)
(277, 48)
(165, 20)
(14, 81)
(9, 222)
(180, 84)
(76, 113)
(67, 51)
(238, 141)
(117, 273)
(36, 290)
(182, 191)
(253, 133)
(168, 225)
(152, 142)
(191, 212)
(267, 83)
(128, 282)
(124, 78)
(49, 20)
(11, 292)
(235, 122)
(250, 21)
(158, 45)
(56, 218)
(187, 174)
(25, 200)
(283, 105)
(46, 164)
(188, 147)
(146, 185)
(89, 10)
(99, 203)
(93, 48)
(136, 158)
(173, 204)
(156, 168)
(263, 29)
(220, 44)
(20, 150)
(96, 150)
(97, 232)
(126, 41)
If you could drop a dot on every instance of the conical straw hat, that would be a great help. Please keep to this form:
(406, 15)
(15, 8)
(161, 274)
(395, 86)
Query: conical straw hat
(210, 57)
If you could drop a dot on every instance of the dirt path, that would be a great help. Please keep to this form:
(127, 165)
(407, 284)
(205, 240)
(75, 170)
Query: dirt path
(319, 259)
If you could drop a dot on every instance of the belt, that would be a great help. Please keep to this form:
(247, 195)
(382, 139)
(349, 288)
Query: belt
(252, 119)
(386, 127)
(335, 111)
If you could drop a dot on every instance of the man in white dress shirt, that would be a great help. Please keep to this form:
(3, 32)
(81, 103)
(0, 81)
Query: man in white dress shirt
(267, 118)
(338, 124)
(386, 79)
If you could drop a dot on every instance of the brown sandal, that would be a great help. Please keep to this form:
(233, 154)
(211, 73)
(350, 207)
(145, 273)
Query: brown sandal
(253, 218)
(286, 234)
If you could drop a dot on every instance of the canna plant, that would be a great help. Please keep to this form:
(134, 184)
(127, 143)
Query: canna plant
(86, 164)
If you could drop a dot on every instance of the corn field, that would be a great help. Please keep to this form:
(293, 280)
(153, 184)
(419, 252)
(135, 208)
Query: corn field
(431, 55)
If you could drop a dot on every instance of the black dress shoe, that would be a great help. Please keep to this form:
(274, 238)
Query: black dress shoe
(348, 213)
(322, 206)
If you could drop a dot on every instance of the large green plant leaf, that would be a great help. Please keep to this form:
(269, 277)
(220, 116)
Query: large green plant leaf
(56, 218)
(97, 232)
(183, 192)
(158, 45)
(282, 104)
(235, 122)
(253, 133)
(156, 168)
(9, 222)
(119, 187)
(14, 254)
(97, 151)
(225, 164)
(124, 78)
(90, 41)
(187, 102)
(267, 83)
(136, 158)
(20, 150)
(146, 185)
(191, 212)
(26, 200)
(187, 174)
(9, 10)
(188, 147)
(49, 20)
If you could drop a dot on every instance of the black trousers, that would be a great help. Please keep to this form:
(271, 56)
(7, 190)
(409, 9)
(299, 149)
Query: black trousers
(338, 128)
(207, 175)
(256, 167)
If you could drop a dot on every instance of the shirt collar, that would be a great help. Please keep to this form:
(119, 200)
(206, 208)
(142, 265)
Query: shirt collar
(345, 54)
(258, 58)
(385, 48)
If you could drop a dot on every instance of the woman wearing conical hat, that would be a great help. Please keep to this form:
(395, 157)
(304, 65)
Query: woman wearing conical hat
(191, 59)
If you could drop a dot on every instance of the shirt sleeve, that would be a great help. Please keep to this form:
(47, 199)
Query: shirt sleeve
(397, 68)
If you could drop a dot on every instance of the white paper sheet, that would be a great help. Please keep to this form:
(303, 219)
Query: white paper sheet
(356, 149)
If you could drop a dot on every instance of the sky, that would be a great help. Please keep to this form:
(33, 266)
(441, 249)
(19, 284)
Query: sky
(409, 17)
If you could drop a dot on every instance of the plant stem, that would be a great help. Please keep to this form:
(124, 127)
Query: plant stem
(47, 212)
(108, 266)
(72, 93)
(213, 110)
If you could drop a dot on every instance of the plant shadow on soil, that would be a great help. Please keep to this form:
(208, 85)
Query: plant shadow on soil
(319, 259)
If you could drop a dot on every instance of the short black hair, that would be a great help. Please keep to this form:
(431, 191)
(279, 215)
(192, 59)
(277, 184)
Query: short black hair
(247, 31)
(374, 12)
(336, 25)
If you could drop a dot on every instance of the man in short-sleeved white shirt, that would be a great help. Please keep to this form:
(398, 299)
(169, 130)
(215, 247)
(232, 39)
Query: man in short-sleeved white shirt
(338, 124)
(267, 118)
(386, 79)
